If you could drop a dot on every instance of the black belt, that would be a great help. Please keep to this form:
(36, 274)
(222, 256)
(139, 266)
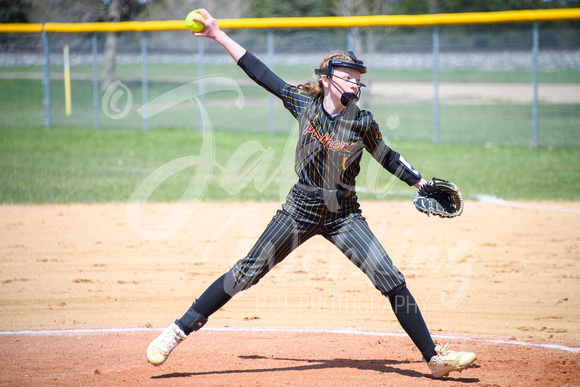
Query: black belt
(322, 194)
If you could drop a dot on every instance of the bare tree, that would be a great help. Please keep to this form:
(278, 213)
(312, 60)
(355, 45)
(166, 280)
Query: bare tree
(220, 9)
(158, 10)
(108, 75)
(364, 8)
(66, 11)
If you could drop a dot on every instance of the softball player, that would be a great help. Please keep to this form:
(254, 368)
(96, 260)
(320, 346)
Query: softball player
(334, 132)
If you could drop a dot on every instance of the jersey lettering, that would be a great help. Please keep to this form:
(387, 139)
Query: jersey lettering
(327, 141)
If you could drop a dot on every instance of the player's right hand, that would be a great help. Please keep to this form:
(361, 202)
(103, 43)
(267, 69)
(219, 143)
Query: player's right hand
(211, 28)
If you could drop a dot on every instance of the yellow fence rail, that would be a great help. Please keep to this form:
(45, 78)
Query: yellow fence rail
(525, 16)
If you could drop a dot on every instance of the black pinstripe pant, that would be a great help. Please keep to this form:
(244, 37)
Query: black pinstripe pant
(340, 222)
(302, 217)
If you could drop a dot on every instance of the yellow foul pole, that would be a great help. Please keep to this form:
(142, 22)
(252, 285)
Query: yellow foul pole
(67, 93)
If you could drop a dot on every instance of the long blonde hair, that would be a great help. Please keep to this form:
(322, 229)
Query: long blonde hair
(315, 88)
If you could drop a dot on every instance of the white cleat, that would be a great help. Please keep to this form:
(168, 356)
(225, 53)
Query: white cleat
(160, 348)
(447, 361)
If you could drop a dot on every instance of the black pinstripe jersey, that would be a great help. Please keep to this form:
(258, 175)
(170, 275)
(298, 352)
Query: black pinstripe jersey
(329, 149)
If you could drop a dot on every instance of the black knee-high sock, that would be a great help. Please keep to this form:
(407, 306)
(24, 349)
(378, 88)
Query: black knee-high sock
(411, 319)
(213, 298)
(208, 303)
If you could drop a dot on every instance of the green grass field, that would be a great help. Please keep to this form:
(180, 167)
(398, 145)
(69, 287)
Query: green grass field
(84, 165)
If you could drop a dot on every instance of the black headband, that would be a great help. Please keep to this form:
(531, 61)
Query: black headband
(355, 64)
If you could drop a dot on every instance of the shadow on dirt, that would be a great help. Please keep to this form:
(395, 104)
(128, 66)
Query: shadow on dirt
(380, 365)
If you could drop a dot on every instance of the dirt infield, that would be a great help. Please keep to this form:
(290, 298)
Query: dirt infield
(85, 288)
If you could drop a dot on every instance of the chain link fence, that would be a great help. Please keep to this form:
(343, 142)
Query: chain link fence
(493, 84)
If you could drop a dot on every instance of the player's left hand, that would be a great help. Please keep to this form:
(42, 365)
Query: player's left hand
(439, 197)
